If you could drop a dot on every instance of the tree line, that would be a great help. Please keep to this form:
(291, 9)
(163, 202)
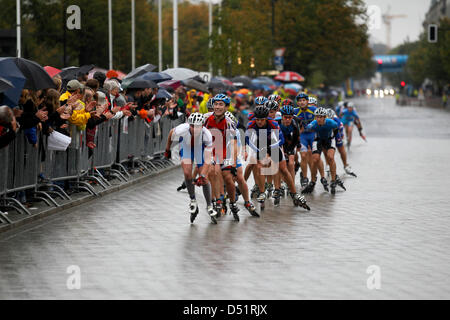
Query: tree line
(325, 41)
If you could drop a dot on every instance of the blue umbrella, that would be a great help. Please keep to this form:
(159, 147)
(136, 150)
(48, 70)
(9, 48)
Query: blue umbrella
(10, 71)
(163, 94)
(294, 86)
(5, 84)
(37, 77)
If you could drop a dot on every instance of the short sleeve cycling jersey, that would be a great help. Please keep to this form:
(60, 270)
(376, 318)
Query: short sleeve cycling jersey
(325, 131)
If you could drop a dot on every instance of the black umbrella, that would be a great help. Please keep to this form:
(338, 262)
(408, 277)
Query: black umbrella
(71, 73)
(37, 77)
(163, 94)
(193, 84)
(141, 83)
(216, 84)
(5, 84)
(242, 81)
(156, 76)
(140, 71)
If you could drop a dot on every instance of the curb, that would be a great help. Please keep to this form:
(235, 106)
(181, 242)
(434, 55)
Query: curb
(86, 199)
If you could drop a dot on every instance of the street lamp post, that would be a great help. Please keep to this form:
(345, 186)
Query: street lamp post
(210, 35)
(175, 33)
(159, 36)
(110, 35)
(19, 49)
(133, 36)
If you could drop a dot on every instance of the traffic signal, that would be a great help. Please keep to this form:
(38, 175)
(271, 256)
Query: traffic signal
(403, 83)
(432, 33)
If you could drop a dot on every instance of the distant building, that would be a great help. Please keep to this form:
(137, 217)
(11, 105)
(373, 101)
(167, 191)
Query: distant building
(438, 9)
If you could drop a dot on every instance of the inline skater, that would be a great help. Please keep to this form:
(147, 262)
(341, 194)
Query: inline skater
(291, 133)
(196, 144)
(340, 141)
(259, 101)
(259, 136)
(224, 135)
(349, 116)
(305, 115)
(238, 174)
(326, 129)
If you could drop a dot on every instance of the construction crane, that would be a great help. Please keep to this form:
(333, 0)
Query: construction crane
(387, 18)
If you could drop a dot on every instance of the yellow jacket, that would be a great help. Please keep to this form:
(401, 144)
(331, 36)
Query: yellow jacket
(203, 108)
(66, 95)
(80, 118)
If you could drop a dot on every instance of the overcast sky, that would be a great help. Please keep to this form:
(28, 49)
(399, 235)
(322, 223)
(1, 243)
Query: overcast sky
(402, 28)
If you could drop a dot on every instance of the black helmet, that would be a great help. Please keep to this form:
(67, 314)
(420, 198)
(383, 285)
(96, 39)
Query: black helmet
(271, 105)
(261, 112)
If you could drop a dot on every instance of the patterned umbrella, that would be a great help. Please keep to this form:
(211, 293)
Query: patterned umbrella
(290, 76)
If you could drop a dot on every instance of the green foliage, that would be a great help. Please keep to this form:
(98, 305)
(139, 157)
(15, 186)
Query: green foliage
(323, 40)
(426, 60)
(320, 37)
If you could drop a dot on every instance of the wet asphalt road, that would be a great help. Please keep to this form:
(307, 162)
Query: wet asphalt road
(138, 243)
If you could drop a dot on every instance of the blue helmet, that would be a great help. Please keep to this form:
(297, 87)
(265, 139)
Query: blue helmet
(301, 95)
(260, 100)
(222, 97)
(287, 110)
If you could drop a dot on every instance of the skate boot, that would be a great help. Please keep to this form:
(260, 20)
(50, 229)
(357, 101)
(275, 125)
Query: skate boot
(340, 183)
(324, 183)
(276, 195)
(219, 208)
(299, 200)
(261, 197)
(183, 186)
(212, 214)
(234, 209)
(251, 208)
(309, 188)
(193, 209)
(269, 189)
(333, 187)
(348, 170)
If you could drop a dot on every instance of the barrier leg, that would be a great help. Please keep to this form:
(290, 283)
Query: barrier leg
(123, 169)
(58, 190)
(46, 196)
(100, 176)
(118, 175)
(100, 182)
(81, 185)
(13, 203)
(4, 218)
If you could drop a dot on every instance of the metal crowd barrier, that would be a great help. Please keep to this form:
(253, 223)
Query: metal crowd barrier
(45, 174)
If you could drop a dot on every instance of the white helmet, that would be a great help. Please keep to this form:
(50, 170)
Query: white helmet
(330, 113)
(196, 119)
(312, 100)
(231, 116)
(350, 104)
(341, 103)
(320, 112)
